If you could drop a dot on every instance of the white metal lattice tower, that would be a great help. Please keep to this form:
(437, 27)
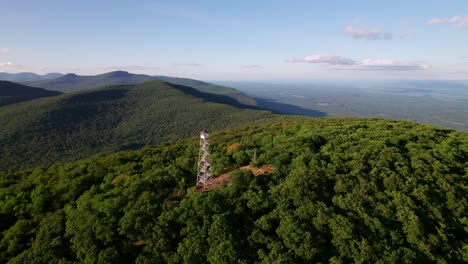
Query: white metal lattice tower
(204, 161)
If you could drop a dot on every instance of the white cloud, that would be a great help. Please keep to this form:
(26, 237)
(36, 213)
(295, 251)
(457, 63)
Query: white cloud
(365, 64)
(366, 33)
(393, 65)
(323, 59)
(4, 50)
(456, 21)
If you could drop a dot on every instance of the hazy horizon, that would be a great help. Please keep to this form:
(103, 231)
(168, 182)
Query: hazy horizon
(267, 81)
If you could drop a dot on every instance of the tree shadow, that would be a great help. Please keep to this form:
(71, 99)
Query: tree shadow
(287, 109)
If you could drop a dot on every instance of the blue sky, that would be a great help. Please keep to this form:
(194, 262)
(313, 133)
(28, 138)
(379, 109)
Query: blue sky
(239, 40)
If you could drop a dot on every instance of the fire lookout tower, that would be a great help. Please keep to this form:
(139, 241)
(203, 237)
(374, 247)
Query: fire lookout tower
(204, 161)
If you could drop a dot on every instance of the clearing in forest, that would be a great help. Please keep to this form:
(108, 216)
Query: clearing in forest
(224, 178)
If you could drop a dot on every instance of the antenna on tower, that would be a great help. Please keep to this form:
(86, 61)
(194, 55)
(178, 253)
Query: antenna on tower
(204, 161)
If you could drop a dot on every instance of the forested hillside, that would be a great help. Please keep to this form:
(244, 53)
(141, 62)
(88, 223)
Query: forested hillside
(77, 125)
(210, 88)
(342, 191)
(72, 82)
(11, 93)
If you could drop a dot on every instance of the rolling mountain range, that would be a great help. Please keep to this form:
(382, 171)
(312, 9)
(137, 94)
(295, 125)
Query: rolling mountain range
(72, 82)
(27, 76)
(102, 120)
(11, 93)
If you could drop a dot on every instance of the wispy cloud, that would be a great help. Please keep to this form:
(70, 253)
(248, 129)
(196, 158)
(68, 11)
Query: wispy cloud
(252, 66)
(408, 29)
(406, 35)
(361, 32)
(324, 59)
(186, 65)
(4, 50)
(393, 65)
(131, 67)
(456, 21)
(365, 64)
(10, 65)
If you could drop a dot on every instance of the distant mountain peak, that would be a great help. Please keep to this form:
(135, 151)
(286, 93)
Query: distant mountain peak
(118, 74)
(52, 75)
(69, 77)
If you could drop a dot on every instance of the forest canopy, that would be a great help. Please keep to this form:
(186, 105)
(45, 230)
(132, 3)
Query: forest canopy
(342, 190)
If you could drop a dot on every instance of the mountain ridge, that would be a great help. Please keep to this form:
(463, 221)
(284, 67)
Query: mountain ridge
(11, 93)
(72, 82)
(107, 119)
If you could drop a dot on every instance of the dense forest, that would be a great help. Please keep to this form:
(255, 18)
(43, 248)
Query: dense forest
(104, 120)
(342, 190)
